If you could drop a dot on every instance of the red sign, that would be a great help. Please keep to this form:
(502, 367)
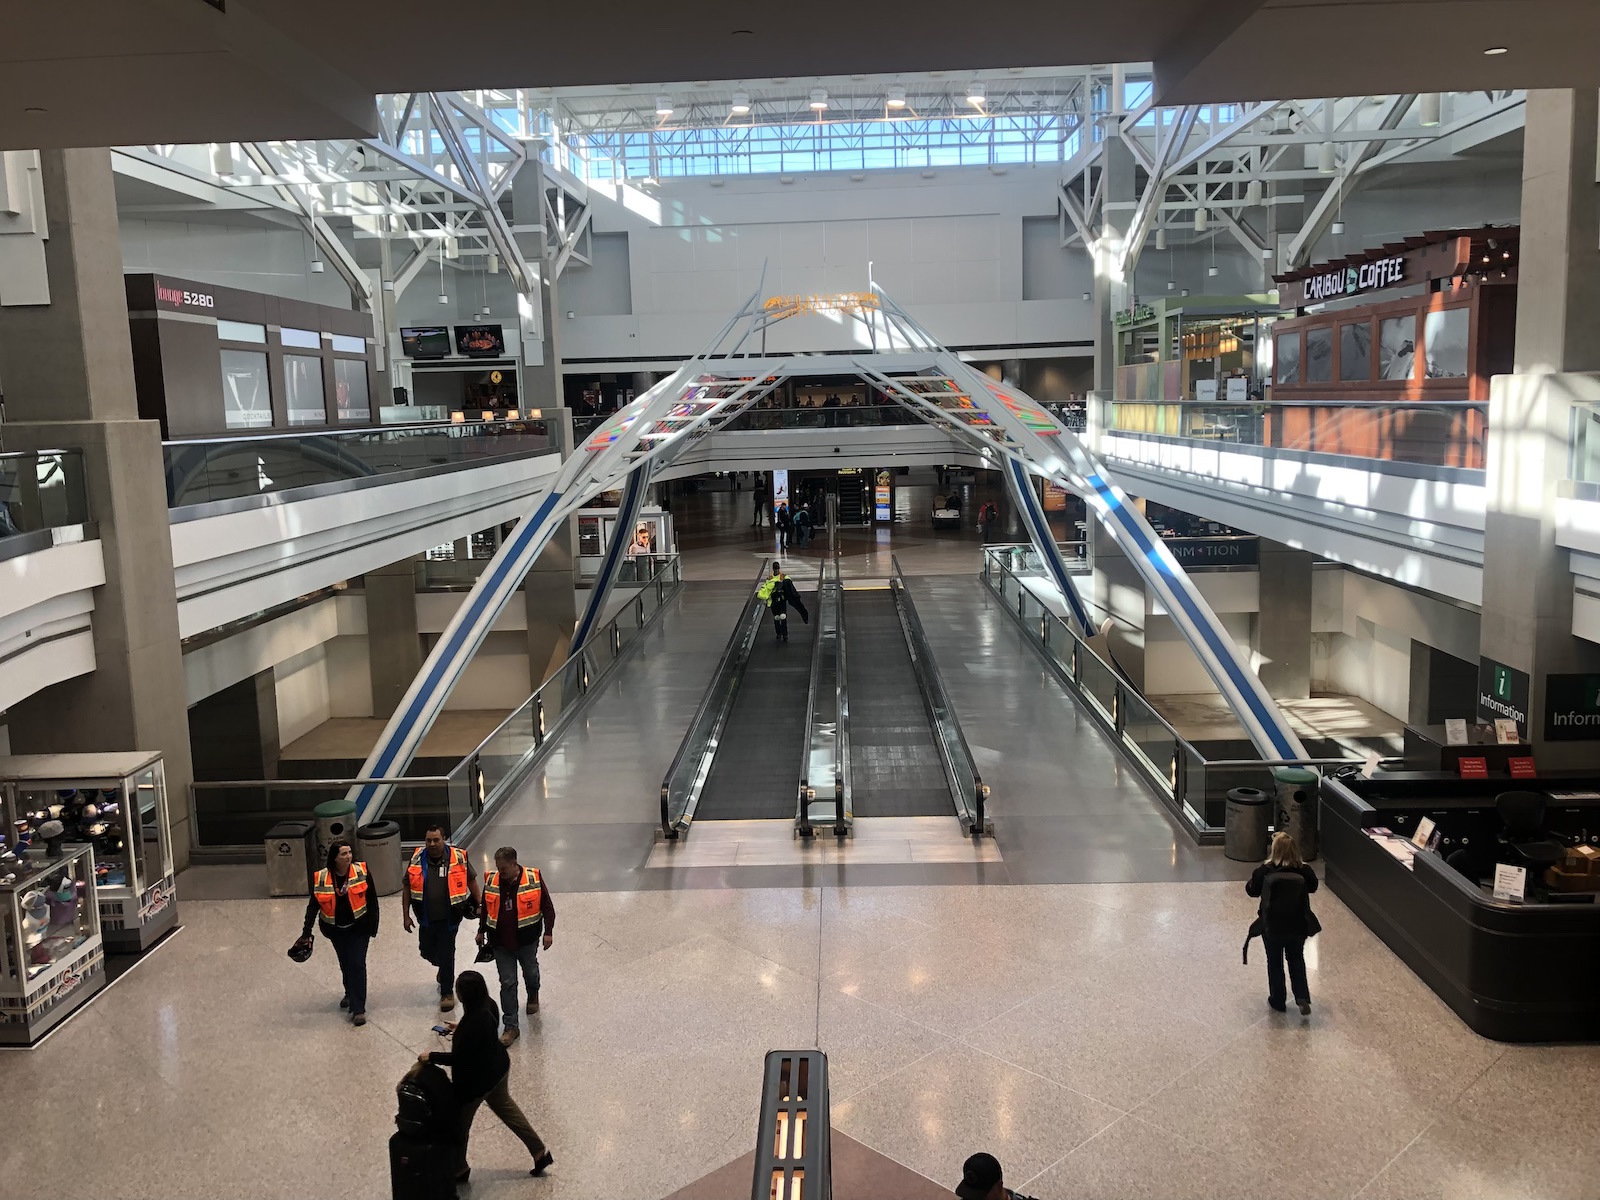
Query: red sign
(1473, 768)
(1522, 768)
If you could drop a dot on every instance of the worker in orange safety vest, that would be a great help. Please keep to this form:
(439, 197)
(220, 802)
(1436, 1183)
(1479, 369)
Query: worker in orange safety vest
(518, 917)
(441, 891)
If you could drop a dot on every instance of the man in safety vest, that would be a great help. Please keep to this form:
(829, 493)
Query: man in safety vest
(442, 890)
(517, 917)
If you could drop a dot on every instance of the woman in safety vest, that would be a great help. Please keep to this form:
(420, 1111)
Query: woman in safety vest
(343, 902)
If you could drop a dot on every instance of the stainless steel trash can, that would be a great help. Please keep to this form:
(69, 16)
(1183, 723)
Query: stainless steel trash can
(1244, 832)
(380, 849)
(288, 846)
(1297, 807)
(336, 821)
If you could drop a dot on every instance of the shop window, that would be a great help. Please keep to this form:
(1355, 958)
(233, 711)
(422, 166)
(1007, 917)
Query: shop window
(345, 344)
(1397, 347)
(302, 390)
(350, 389)
(304, 339)
(1355, 351)
(1319, 354)
(246, 394)
(241, 331)
(1445, 339)
(1287, 356)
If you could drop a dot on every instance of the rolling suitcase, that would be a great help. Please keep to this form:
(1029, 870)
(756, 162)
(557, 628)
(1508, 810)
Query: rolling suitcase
(421, 1170)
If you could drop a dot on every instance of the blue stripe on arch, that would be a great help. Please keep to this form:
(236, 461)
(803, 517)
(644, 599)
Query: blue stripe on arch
(1269, 722)
(632, 502)
(477, 604)
(1039, 529)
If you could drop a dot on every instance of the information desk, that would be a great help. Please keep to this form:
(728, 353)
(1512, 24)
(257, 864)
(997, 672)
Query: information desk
(1514, 972)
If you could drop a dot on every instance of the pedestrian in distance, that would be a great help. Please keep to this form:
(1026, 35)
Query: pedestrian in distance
(785, 525)
(480, 1069)
(758, 500)
(1284, 920)
(982, 1179)
(518, 918)
(987, 516)
(778, 593)
(441, 891)
(345, 907)
(802, 525)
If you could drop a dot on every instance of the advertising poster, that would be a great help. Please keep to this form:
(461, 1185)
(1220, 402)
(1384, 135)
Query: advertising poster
(1055, 498)
(883, 497)
(780, 490)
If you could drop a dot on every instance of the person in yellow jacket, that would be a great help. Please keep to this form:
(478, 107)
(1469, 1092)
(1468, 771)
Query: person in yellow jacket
(518, 917)
(343, 902)
(441, 891)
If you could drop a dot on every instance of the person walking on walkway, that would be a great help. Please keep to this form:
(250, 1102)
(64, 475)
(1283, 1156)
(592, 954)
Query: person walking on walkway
(759, 500)
(1284, 919)
(802, 525)
(480, 1069)
(982, 1179)
(441, 890)
(778, 593)
(987, 516)
(343, 903)
(785, 525)
(518, 917)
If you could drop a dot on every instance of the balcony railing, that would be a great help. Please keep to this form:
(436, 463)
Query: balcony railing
(202, 471)
(40, 491)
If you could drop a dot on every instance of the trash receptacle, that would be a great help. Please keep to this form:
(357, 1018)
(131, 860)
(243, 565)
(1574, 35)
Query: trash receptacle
(1244, 831)
(336, 820)
(380, 850)
(288, 846)
(1297, 807)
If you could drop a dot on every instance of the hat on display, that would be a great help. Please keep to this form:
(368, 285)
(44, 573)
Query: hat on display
(53, 833)
(979, 1174)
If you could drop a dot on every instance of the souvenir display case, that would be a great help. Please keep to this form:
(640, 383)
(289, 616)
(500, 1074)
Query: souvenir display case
(51, 958)
(116, 803)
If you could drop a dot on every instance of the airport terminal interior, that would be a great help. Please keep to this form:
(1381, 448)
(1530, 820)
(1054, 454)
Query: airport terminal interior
(773, 598)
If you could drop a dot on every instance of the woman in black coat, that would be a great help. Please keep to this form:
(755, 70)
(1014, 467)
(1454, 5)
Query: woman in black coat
(480, 1068)
(1284, 885)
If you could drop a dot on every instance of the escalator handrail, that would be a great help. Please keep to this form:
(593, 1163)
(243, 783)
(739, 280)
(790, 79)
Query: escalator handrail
(966, 782)
(802, 816)
(843, 800)
(710, 719)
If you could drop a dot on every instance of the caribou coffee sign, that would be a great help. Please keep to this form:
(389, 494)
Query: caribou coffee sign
(1352, 281)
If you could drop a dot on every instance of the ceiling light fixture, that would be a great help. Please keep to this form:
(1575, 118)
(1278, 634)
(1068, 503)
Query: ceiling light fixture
(1428, 109)
(897, 97)
(819, 98)
(1202, 219)
(663, 106)
(1213, 270)
(1493, 50)
(975, 93)
(452, 248)
(1161, 239)
(1185, 292)
(1336, 228)
(317, 266)
(740, 104)
(1172, 285)
(1087, 297)
(222, 158)
(1325, 158)
(1268, 254)
(494, 264)
(1253, 194)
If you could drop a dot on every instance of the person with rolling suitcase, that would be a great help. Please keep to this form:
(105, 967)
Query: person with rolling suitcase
(425, 1149)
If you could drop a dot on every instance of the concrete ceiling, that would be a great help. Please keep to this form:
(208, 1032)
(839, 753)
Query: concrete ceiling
(98, 72)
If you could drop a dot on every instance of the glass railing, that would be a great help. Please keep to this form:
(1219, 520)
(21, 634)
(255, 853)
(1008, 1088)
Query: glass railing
(1194, 788)
(41, 490)
(1438, 435)
(854, 417)
(1583, 464)
(967, 789)
(686, 777)
(238, 813)
(200, 471)
(1023, 560)
(824, 798)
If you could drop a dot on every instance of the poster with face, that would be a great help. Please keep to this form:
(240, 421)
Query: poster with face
(1397, 347)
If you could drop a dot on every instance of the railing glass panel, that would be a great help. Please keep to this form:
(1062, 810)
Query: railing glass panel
(41, 490)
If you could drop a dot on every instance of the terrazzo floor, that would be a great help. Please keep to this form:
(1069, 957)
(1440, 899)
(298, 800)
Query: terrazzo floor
(1103, 1040)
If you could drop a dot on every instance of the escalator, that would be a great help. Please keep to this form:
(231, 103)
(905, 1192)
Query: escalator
(894, 758)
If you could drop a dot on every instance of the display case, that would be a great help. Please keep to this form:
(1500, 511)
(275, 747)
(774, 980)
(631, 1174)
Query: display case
(51, 957)
(116, 803)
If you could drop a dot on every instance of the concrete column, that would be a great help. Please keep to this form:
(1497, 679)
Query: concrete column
(1283, 625)
(394, 648)
(541, 381)
(1527, 580)
(68, 372)
(547, 589)
(1110, 291)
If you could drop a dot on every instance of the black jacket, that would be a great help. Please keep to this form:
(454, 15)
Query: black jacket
(476, 1059)
(1285, 913)
(786, 594)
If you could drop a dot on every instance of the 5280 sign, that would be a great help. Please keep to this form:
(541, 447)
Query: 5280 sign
(180, 298)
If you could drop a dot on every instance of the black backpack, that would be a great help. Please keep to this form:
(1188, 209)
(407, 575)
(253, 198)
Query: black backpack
(427, 1109)
(1283, 894)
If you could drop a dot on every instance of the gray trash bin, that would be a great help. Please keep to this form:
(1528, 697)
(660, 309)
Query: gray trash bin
(380, 850)
(1297, 807)
(288, 846)
(1244, 834)
(336, 820)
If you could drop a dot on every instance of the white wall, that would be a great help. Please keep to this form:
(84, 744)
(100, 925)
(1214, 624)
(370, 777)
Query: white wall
(249, 254)
(302, 689)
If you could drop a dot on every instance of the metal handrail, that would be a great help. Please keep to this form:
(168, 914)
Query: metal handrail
(705, 729)
(844, 802)
(355, 431)
(802, 816)
(959, 765)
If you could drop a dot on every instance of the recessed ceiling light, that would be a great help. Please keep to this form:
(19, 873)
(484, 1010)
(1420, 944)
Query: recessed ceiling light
(663, 106)
(1496, 50)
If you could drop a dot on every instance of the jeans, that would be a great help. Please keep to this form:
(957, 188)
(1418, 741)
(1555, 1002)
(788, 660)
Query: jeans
(437, 944)
(351, 947)
(506, 962)
(503, 1106)
(1293, 949)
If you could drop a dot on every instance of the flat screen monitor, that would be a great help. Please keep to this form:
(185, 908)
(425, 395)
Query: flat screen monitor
(480, 341)
(425, 341)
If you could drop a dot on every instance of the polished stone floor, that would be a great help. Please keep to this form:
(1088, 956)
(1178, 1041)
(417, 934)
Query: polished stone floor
(1102, 1040)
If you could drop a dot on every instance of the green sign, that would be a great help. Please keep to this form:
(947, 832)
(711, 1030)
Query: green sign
(1572, 708)
(1502, 692)
(1132, 316)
